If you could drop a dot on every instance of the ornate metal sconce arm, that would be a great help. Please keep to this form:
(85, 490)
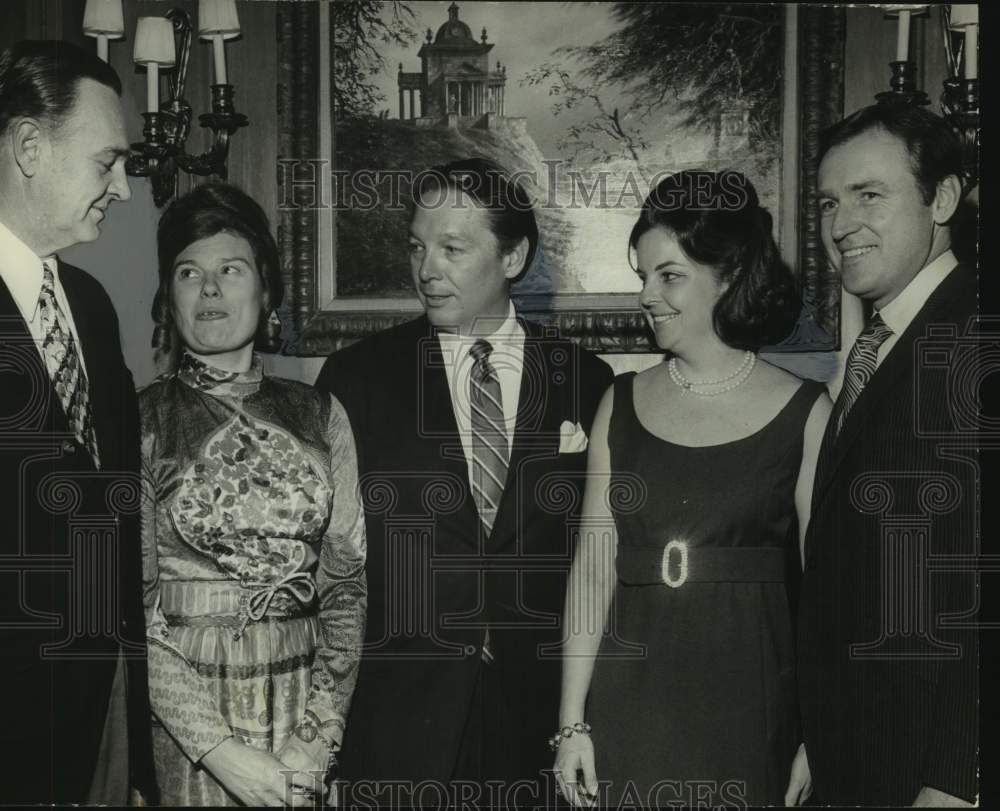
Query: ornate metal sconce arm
(960, 103)
(223, 121)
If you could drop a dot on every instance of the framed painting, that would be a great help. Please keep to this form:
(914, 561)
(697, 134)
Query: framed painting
(588, 117)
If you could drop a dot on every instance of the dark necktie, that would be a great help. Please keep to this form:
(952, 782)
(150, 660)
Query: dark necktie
(861, 364)
(62, 361)
(490, 453)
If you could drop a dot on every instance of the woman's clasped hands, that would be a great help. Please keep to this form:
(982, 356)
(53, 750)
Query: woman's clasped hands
(258, 778)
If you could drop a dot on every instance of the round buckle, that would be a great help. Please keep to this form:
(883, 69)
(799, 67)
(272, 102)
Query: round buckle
(682, 564)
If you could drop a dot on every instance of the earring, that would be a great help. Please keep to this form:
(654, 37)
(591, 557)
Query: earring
(273, 319)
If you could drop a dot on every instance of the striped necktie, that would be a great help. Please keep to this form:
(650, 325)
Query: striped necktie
(62, 361)
(490, 453)
(861, 364)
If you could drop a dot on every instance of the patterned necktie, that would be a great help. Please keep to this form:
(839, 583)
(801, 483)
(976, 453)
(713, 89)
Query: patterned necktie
(861, 363)
(62, 360)
(490, 453)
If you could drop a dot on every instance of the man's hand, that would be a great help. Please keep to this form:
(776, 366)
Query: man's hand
(800, 780)
(929, 797)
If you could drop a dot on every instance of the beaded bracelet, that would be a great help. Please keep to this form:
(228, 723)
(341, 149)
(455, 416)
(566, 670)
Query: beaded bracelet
(568, 732)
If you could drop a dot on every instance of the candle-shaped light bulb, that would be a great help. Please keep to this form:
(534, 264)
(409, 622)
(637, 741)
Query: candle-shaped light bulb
(102, 47)
(219, 54)
(971, 52)
(217, 21)
(152, 87)
(903, 37)
(965, 17)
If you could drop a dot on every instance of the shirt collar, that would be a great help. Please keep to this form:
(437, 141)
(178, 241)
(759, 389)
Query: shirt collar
(508, 332)
(21, 270)
(899, 312)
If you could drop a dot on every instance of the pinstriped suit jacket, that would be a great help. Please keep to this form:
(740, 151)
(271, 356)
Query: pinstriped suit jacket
(888, 661)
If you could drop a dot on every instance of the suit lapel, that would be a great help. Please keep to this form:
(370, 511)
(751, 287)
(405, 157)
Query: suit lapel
(884, 383)
(536, 430)
(436, 414)
(14, 329)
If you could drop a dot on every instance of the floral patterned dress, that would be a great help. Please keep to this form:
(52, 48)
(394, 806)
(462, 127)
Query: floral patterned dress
(253, 566)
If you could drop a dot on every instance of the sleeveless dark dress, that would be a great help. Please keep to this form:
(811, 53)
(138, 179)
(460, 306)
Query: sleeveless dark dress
(692, 699)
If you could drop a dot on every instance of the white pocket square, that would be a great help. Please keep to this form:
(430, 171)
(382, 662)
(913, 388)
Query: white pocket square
(572, 437)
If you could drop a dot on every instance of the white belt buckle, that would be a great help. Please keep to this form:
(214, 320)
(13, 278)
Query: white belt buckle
(682, 548)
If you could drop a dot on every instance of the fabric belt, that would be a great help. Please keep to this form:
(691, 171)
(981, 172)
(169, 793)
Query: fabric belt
(678, 563)
(212, 602)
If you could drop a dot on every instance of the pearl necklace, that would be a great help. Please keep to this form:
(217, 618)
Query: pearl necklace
(734, 379)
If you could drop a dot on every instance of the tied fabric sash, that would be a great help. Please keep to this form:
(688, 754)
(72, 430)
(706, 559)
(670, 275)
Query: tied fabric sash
(299, 585)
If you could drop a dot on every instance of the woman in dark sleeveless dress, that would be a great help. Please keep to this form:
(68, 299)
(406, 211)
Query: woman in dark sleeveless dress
(700, 472)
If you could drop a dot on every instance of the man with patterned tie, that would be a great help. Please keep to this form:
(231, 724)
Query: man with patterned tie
(888, 654)
(76, 725)
(471, 425)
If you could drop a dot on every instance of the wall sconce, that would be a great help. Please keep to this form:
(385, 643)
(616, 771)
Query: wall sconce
(960, 98)
(903, 84)
(167, 124)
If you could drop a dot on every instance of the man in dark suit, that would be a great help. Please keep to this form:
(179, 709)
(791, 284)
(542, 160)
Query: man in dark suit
(888, 651)
(73, 673)
(471, 428)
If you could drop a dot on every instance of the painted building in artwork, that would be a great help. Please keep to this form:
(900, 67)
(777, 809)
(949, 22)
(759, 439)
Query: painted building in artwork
(455, 86)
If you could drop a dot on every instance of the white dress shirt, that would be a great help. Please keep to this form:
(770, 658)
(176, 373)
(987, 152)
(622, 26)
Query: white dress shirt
(899, 313)
(507, 359)
(21, 271)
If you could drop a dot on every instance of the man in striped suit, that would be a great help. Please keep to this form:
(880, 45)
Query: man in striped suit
(888, 651)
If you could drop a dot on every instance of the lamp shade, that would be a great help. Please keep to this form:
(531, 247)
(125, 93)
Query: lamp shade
(154, 42)
(963, 15)
(893, 9)
(218, 18)
(103, 17)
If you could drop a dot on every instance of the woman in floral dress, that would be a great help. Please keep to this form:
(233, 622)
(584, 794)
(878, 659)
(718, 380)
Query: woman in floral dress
(253, 533)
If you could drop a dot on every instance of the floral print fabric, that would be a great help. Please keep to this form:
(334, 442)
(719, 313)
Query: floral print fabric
(256, 540)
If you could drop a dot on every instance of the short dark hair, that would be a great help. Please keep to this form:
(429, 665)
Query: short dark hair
(203, 212)
(718, 221)
(509, 208)
(934, 149)
(39, 78)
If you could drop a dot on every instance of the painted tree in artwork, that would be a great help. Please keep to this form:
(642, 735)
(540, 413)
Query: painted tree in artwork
(698, 61)
(359, 31)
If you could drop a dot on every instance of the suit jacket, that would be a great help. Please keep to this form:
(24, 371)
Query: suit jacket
(888, 660)
(70, 570)
(433, 580)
